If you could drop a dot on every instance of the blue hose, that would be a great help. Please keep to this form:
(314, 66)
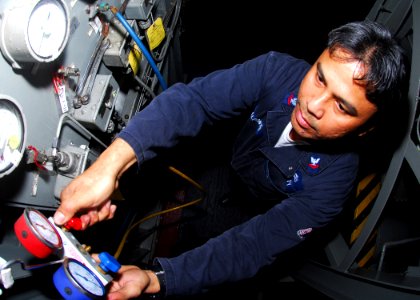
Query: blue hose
(142, 48)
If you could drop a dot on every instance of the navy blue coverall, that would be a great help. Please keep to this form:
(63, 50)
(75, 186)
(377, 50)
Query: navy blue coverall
(311, 182)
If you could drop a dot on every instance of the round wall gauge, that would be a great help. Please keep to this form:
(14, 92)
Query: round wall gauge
(34, 31)
(12, 135)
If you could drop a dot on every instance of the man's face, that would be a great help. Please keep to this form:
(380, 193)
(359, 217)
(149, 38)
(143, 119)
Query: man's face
(331, 104)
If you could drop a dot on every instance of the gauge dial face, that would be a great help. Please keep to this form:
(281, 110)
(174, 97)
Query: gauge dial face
(12, 135)
(44, 228)
(85, 278)
(47, 28)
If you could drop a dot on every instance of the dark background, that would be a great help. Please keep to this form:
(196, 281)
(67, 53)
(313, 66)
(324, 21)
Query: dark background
(218, 34)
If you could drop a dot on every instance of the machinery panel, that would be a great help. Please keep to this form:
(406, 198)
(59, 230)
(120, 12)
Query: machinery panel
(74, 72)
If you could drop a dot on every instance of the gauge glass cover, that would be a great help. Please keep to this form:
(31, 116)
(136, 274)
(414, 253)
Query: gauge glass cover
(47, 28)
(11, 136)
(85, 278)
(42, 226)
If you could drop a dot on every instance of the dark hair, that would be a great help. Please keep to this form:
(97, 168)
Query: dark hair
(383, 59)
(384, 76)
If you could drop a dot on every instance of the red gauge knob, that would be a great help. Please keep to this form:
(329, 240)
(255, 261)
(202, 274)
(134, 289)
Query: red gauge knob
(74, 223)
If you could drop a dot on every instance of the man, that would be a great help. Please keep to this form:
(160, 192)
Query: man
(298, 147)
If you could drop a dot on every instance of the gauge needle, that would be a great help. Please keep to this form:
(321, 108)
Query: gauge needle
(2, 147)
(43, 227)
(44, 28)
(84, 277)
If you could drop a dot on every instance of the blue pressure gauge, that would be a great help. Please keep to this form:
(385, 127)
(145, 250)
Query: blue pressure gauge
(76, 281)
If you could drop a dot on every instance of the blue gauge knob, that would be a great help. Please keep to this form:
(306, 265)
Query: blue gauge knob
(108, 263)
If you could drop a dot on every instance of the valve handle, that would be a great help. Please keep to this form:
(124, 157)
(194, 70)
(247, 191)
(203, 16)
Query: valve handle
(108, 262)
(74, 223)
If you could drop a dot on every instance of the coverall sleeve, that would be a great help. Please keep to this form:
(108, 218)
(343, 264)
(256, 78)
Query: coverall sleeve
(242, 250)
(183, 109)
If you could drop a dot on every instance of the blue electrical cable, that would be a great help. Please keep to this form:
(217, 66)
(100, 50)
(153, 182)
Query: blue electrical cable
(142, 48)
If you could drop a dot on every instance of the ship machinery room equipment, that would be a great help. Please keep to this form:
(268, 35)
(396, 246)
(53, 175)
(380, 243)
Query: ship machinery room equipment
(73, 74)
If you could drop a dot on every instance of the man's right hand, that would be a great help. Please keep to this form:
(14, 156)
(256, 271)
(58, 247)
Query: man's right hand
(88, 195)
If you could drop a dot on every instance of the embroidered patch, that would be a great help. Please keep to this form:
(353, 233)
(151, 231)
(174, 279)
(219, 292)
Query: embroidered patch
(302, 233)
(290, 99)
(260, 125)
(294, 184)
(313, 166)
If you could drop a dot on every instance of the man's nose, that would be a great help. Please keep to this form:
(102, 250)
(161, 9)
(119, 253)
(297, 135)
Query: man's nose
(317, 105)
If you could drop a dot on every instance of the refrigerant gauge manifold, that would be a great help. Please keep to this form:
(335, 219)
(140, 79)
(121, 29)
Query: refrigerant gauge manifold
(33, 31)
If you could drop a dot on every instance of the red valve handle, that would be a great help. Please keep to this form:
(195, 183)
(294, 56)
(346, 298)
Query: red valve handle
(74, 223)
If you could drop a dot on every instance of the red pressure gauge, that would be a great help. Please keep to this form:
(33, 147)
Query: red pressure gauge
(37, 234)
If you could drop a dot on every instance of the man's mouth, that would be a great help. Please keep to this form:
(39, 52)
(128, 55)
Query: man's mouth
(301, 120)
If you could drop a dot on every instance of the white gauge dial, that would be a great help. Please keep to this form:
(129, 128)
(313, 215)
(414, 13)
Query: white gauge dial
(34, 31)
(85, 278)
(47, 28)
(44, 228)
(12, 135)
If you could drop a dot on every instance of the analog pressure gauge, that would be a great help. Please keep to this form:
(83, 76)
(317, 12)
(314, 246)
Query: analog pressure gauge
(12, 135)
(74, 280)
(37, 234)
(34, 31)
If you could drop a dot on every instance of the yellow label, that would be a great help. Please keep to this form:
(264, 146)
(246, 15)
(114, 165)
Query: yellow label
(155, 33)
(14, 142)
(134, 59)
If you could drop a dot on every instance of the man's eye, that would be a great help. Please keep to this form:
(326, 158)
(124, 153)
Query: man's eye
(320, 78)
(341, 107)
